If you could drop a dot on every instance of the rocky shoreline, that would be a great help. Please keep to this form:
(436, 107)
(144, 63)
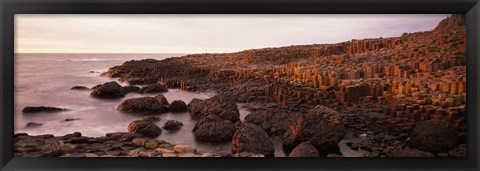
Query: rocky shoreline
(399, 97)
(121, 144)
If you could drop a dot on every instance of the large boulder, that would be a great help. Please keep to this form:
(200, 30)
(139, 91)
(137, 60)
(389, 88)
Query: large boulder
(145, 128)
(178, 106)
(153, 88)
(272, 122)
(145, 105)
(304, 149)
(252, 138)
(222, 105)
(209, 118)
(37, 109)
(214, 129)
(433, 136)
(321, 126)
(109, 90)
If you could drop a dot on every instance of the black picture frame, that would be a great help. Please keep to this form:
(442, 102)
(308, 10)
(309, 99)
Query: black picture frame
(9, 8)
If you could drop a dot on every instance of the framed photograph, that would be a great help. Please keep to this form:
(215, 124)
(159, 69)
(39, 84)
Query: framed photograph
(236, 85)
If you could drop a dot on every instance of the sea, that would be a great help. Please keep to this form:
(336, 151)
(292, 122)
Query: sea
(46, 79)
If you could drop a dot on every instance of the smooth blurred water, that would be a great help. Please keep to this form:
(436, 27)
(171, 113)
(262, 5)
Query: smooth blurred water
(46, 79)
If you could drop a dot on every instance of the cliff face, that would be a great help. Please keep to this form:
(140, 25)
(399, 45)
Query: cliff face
(455, 20)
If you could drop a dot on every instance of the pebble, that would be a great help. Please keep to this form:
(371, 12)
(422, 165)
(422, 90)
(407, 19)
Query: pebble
(184, 149)
(151, 144)
(91, 155)
(138, 142)
(186, 155)
(169, 154)
(207, 155)
(163, 150)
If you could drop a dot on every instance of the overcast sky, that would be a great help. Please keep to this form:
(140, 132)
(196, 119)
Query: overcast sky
(88, 33)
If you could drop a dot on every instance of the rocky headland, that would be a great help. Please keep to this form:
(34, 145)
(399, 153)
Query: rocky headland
(397, 97)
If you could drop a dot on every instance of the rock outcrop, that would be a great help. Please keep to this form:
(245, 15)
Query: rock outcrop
(272, 122)
(178, 106)
(304, 149)
(455, 20)
(213, 129)
(38, 109)
(145, 105)
(109, 90)
(172, 125)
(145, 128)
(153, 88)
(322, 127)
(433, 136)
(252, 138)
(382, 86)
(222, 105)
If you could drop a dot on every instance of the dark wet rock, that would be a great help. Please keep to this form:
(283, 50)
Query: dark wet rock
(222, 105)
(172, 125)
(152, 119)
(274, 123)
(77, 140)
(109, 90)
(178, 106)
(162, 99)
(75, 134)
(213, 129)
(42, 109)
(304, 149)
(145, 105)
(409, 152)
(71, 119)
(322, 127)
(131, 88)
(79, 88)
(252, 138)
(433, 136)
(19, 135)
(153, 88)
(145, 128)
(33, 124)
(209, 118)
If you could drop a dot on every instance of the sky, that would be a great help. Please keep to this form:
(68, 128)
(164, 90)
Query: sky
(162, 33)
